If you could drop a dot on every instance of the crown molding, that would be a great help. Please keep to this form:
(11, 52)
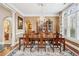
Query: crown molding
(6, 6)
(41, 15)
(14, 8)
(66, 7)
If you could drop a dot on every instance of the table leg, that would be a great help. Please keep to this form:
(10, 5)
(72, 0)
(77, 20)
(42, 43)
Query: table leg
(64, 45)
(19, 44)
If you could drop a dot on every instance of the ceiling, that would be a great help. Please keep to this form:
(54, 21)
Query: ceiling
(36, 9)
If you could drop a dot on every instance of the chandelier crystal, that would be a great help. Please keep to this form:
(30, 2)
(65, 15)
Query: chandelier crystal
(42, 18)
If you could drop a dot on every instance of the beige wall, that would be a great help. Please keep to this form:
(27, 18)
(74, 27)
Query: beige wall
(4, 12)
(33, 20)
(54, 19)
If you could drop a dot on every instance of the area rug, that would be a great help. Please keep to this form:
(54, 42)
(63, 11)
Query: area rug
(41, 52)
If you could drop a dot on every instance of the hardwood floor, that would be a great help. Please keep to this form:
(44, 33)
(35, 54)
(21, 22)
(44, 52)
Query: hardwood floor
(7, 50)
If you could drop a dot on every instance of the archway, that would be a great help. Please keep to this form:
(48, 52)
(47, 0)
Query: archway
(7, 31)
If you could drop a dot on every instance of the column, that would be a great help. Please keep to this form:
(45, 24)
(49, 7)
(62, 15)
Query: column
(68, 29)
(13, 29)
(78, 26)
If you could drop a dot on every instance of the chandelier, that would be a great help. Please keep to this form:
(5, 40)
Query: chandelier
(42, 17)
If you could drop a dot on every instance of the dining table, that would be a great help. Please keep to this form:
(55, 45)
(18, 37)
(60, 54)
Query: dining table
(46, 38)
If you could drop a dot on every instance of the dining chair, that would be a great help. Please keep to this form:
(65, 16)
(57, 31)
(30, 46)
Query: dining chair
(27, 42)
(42, 41)
(56, 41)
(50, 36)
(32, 38)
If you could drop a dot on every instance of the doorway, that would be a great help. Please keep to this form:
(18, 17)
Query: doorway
(7, 31)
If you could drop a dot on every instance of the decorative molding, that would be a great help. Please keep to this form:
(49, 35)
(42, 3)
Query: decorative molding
(40, 15)
(14, 8)
(5, 5)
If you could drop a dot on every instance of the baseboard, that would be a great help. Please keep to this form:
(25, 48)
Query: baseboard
(74, 48)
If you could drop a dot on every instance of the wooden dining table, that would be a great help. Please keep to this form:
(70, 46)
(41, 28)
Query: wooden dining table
(46, 38)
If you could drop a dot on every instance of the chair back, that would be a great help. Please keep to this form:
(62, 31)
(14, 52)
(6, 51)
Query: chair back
(26, 38)
(50, 34)
(57, 37)
(54, 35)
(41, 34)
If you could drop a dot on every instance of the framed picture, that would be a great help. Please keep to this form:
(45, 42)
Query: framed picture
(20, 23)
